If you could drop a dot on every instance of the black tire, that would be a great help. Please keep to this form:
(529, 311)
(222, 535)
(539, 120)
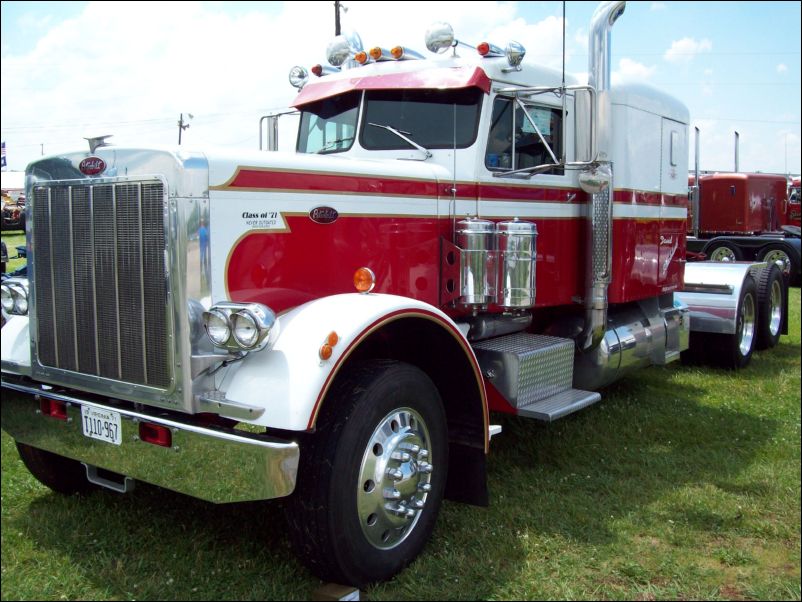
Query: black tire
(731, 351)
(62, 475)
(372, 422)
(770, 306)
(723, 251)
(735, 350)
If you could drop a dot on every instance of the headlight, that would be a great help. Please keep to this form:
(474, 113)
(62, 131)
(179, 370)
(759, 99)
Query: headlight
(245, 330)
(15, 296)
(241, 327)
(216, 323)
(8, 300)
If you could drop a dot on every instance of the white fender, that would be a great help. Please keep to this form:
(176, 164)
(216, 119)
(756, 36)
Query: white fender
(15, 346)
(290, 380)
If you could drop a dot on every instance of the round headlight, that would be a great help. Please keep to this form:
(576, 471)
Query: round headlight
(439, 37)
(245, 328)
(298, 77)
(217, 328)
(7, 298)
(338, 51)
(20, 300)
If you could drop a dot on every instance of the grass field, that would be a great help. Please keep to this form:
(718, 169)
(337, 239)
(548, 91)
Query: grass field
(683, 483)
(13, 238)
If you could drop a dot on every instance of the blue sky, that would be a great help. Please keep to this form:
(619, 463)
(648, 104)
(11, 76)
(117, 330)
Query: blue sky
(73, 69)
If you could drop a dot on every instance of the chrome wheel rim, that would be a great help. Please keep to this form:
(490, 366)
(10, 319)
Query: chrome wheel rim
(394, 478)
(775, 308)
(747, 327)
(781, 257)
(723, 254)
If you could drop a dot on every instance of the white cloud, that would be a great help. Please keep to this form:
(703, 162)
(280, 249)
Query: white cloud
(684, 50)
(113, 69)
(782, 68)
(656, 6)
(581, 38)
(629, 70)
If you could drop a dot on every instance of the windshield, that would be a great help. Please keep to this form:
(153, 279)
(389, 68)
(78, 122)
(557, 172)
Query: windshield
(329, 125)
(425, 116)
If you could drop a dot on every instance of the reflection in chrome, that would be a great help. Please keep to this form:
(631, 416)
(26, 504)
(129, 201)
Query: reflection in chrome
(775, 308)
(227, 465)
(746, 326)
(394, 478)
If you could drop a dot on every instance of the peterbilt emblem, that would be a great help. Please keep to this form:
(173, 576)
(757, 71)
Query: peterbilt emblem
(324, 215)
(92, 166)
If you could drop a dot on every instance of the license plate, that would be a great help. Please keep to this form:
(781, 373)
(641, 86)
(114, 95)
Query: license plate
(104, 425)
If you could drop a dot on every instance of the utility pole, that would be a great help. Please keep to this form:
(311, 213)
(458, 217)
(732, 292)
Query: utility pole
(336, 18)
(43, 148)
(182, 126)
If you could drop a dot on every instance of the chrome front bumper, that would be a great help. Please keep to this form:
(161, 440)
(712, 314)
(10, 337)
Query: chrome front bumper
(214, 464)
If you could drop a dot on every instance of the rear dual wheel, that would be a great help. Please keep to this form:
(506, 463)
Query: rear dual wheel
(771, 306)
(729, 350)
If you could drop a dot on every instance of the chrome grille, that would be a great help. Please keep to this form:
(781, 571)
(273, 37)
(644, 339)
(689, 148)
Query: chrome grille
(100, 280)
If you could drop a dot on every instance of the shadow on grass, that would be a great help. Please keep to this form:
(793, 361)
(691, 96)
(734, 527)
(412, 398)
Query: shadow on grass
(569, 481)
(573, 480)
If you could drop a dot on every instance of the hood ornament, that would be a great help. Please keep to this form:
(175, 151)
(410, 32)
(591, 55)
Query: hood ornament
(97, 142)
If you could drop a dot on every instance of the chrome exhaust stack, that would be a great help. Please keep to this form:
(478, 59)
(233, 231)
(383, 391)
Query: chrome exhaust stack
(598, 182)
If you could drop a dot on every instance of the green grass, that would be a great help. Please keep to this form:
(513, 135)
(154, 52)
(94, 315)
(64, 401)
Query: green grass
(683, 483)
(13, 238)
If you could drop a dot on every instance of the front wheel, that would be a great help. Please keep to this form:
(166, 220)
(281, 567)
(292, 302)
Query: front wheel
(372, 477)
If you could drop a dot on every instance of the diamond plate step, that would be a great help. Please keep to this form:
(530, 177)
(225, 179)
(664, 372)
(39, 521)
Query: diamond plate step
(526, 368)
(557, 406)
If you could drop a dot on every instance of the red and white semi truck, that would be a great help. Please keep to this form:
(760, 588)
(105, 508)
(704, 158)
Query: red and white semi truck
(452, 237)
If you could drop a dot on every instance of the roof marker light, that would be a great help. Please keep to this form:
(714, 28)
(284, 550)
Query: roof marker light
(489, 50)
(361, 57)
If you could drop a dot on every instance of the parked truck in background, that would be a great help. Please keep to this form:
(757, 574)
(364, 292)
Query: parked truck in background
(452, 237)
(793, 213)
(739, 216)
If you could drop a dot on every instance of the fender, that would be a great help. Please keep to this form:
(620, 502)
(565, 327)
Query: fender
(291, 380)
(15, 346)
(712, 291)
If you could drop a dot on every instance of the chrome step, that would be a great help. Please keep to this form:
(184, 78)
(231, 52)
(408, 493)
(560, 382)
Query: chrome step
(559, 405)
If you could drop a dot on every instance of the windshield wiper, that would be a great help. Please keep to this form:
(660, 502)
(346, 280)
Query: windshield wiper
(405, 138)
(333, 143)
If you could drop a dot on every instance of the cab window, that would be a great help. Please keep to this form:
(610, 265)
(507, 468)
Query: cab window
(426, 116)
(514, 142)
(329, 125)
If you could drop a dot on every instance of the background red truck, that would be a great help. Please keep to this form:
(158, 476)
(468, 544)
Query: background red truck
(744, 217)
